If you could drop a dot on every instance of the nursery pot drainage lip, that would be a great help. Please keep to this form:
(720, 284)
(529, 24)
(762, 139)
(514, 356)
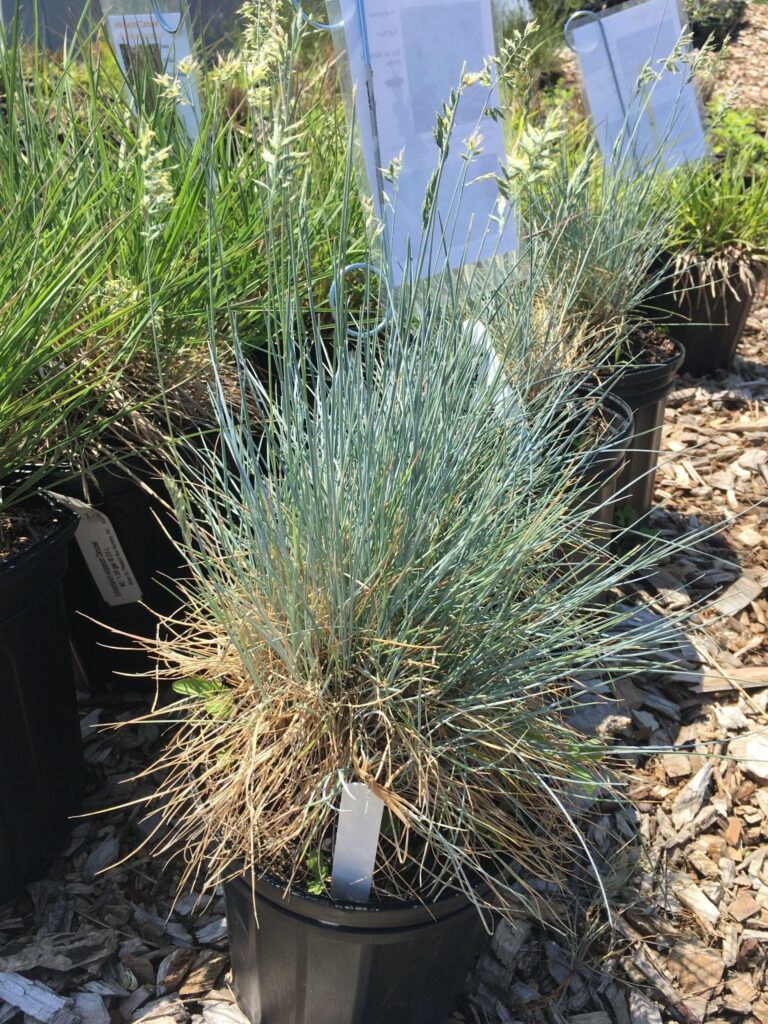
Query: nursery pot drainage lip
(354, 917)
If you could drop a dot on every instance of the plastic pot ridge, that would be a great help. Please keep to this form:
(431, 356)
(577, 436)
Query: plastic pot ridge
(645, 389)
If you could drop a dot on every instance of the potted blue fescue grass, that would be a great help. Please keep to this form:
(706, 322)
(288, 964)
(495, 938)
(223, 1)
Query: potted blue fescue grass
(396, 595)
(596, 233)
(394, 587)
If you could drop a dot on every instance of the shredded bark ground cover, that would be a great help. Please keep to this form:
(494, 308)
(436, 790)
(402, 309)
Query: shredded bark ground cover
(686, 867)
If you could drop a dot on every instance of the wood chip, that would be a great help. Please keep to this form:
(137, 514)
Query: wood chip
(690, 799)
(90, 1009)
(62, 952)
(155, 930)
(750, 537)
(731, 718)
(732, 831)
(213, 932)
(744, 907)
(750, 677)
(642, 1010)
(630, 694)
(735, 598)
(141, 967)
(698, 969)
(137, 998)
(751, 752)
(508, 939)
(696, 901)
(35, 999)
(163, 1011)
(676, 766)
(743, 987)
(204, 974)
(731, 943)
(102, 856)
(225, 1013)
(173, 969)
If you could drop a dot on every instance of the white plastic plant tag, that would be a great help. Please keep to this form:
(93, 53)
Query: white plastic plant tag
(357, 843)
(645, 106)
(416, 53)
(154, 44)
(103, 554)
(505, 398)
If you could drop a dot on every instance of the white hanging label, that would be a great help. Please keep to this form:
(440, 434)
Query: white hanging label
(357, 842)
(634, 117)
(103, 554)
(151, 44)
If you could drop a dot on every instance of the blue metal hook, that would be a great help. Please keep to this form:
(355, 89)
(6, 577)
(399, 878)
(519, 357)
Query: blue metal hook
(352, 332)
(161, 19)
(322, 26)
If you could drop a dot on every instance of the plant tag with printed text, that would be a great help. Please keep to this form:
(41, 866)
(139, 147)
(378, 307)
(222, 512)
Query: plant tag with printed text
(103, 554)
(151, 44)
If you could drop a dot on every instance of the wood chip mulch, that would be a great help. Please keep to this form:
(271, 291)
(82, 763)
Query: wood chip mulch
(687, 869)
(744, 70)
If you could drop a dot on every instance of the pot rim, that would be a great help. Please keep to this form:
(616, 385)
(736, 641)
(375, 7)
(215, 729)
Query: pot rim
(325, 911)
(38, 550)
(631, 376)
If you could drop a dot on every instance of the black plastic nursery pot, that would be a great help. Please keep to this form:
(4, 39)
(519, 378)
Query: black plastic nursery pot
(42, 771)
(144, 529)
(645, 390)
(709, 327)
(598, 472)
(308, 960)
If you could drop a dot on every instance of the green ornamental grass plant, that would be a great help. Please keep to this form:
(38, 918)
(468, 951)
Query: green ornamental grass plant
(719, 231)
(76, 159)
(596, 233)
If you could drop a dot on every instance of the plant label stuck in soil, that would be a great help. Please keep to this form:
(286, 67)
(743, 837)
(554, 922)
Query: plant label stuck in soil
(357, 842)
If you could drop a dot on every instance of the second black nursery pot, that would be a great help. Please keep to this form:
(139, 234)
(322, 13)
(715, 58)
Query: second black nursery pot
(307, 960)
(598, 470)
(42, 770)
(709, 327)
(645, 389)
